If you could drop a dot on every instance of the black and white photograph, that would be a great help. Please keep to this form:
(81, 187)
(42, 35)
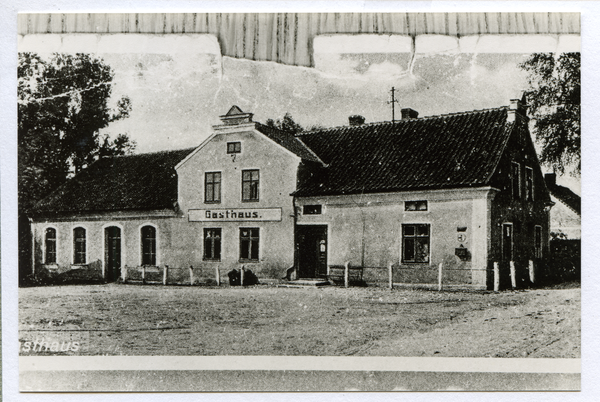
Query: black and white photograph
(298, 201)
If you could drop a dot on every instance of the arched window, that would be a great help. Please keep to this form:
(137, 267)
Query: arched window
(148, 245)
(50, 242)
(79, 245)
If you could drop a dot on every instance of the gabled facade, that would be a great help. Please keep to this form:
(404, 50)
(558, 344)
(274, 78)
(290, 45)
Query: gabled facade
(464, 190)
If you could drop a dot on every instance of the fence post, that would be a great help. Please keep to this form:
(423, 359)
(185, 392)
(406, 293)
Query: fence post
(124, 273)
(440, 273)
(218, 276)
(391, 274)
(531, 271)
(143, 274)
(513, 277)
(242, 272)
(346, 273)
(191, 275)
(496, 277)
(165, 274)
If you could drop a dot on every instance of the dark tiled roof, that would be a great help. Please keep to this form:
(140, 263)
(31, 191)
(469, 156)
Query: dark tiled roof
(455, 150)
(289, 141)
(124, 183)
(566, 196)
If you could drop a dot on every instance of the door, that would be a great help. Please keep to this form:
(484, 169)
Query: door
(311, 242)
(113, 253)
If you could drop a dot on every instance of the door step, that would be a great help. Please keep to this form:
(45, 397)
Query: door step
(305, 283)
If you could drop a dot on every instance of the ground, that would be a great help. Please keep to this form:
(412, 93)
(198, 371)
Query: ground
(118, 319)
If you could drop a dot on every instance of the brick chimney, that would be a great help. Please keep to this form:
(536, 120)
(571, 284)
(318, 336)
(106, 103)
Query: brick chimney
(236, 116)
(550, 179)
(408, 113)
(517, 107)
(356, 120)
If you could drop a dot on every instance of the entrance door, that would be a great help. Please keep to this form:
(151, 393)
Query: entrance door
(311, 242)
(113, 253)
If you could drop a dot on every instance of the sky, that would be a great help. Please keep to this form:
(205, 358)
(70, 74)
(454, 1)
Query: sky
(180, 85)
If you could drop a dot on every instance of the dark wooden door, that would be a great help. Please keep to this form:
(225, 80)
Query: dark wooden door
(312, 250)
(113, 253)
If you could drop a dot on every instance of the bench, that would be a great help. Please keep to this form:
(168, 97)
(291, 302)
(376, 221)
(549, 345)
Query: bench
(337, 274)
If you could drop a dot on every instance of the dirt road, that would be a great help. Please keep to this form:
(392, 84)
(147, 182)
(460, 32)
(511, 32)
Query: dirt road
(264, 320)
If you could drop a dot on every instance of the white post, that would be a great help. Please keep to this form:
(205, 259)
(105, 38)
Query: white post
(496, 277)
(513, 278)
(242, 272)
(143, 274)
(391, 275)
(440, 273)
(191, 275)
(165, 274)
(218, 276)
(124, 273)
(346, 273)
(531, 271)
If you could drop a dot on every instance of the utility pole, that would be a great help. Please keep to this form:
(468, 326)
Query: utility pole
(392, 102)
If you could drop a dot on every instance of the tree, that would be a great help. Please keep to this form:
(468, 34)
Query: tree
(288, 124)
(554, 98)
(63, 103)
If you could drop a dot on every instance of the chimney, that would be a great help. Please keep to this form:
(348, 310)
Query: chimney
(517, 107)
(550, 179)
(408, 113)
(235, 116)
(356, 120)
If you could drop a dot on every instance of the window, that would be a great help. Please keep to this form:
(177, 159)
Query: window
(212, 187)
(212, 244)
(529, 184)
(415, 243)
(538, 242)
(249, 244)
(312, 210)
(148, 245)
(515, 182)
(234, 147)
(415, 205)
(250, 185)
(50, 240)
(79, 246)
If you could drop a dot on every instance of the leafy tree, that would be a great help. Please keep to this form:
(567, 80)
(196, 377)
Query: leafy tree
(288, 124)
(554, 98)
(63, 103)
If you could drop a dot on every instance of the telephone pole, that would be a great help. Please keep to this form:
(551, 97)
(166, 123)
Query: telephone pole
(392, 102)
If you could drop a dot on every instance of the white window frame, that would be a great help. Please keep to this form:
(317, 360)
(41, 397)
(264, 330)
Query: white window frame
(44, 244)
(139, 243)
(87, 231)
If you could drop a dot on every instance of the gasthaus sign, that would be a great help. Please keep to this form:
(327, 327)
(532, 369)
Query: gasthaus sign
(235, 215)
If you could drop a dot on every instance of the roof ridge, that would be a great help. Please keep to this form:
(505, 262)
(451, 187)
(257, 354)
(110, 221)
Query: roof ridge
(153, 152)
(373, 123)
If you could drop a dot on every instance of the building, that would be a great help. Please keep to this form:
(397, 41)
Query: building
(463, 189)
(565, 221)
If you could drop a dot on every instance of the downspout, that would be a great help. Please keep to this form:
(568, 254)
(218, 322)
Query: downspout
(32, 231)
(295, 217)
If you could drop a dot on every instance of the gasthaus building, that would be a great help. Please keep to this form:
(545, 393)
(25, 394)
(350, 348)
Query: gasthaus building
(462, 189)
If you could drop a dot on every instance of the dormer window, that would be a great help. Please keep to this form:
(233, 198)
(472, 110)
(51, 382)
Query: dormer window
(234, 147)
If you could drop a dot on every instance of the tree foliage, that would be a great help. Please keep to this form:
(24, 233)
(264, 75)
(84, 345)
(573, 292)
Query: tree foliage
(288, 124)
(63, 103)
(554, 98)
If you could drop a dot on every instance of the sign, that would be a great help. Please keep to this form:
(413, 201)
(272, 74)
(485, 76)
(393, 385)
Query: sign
(462, 238)
(235, 215)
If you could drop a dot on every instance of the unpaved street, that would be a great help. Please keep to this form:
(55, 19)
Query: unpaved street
(265, 320)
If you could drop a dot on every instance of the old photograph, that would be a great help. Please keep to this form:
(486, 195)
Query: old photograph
(300, 185)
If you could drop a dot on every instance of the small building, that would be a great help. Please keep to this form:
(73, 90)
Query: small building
(565, 221)
(462, 189)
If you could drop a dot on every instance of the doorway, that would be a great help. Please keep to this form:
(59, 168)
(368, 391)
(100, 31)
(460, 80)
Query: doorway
(311, 243)
(112, 261)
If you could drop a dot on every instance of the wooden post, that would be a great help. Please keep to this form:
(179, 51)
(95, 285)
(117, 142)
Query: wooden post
(218, 276)
(391, 275)
(242, 272)
(124, 273)
(191, 275)
(513, 277)
(531, 271)
(440, 273)
(143, 274)
(346, 273)
(165, 274)
(496, 277)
